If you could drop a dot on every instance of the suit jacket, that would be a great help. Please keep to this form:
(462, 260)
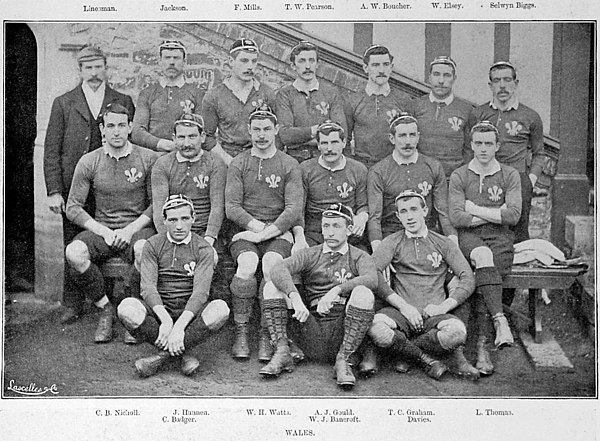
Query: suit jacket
(68, 135)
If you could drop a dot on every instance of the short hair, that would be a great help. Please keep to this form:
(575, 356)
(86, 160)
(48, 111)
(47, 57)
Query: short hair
(410, 194)
(328, 127)
(301, 47)
(171, 45)
(443, 59)
(115, 108)
(503, 65)
(376, 49)
(402, 118)
(189, 120)
(485, 127)
(175, 201)
(263, 111)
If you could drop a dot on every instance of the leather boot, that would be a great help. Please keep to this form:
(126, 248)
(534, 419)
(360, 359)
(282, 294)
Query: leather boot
(369, 364)
(265, 349)
(432, 367)
(104, 330)
(343, 371)
(295, 351)
(240, 348)
(189, 364)
(484, 363)
(459, 365)
(503, 335)
(281, 361)
(148, 366)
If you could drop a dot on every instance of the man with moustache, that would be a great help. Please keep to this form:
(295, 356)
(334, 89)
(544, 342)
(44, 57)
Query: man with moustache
(73, 130)
(160, 104)
(332, 178)
(119, 173)
(368, 112)
(226, 107)
(306, 103)
(405, 169)
(263, 198)
(443, 118)
(198, 174)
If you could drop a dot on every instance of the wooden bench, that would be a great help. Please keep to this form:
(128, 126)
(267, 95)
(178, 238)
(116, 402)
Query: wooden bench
(534, 279)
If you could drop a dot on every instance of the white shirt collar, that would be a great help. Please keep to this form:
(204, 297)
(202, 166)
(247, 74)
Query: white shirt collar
(343, 250)
(447, 101)
(93, 98)
(323, 164)
(511, 106)
(180, 158)
(228, 83)
(402, 161)
(492, 170)
(373, 89)
(185, 241)
(180, 82)
(301, 86)
(415, 235)
(118, 153)
(253, 153)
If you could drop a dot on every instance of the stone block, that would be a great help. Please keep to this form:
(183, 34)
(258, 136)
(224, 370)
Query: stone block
(548, 355)
(579, 234)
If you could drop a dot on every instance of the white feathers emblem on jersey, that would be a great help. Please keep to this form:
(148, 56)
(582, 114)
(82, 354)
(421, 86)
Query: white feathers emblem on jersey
(133, 175)
(391, 114)
(495, 193)
(201, 181)
(190, 267)
(273, 181)
(344, 189)
(435, 258)
(258, 103)
(342, 275)
(513, 128)
(455, 122)
(187, 105)
(425, 187)
(323, 107)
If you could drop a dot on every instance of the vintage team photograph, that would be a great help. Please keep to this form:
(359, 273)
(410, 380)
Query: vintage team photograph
(299, 209)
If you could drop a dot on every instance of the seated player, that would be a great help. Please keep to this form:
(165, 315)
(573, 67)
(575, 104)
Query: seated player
(200, 175)
(119, 174)
(332, 315)
(485, 200)
(332, 178)
(406, 169)
(417, 322)
(175, 314)
(263, 197)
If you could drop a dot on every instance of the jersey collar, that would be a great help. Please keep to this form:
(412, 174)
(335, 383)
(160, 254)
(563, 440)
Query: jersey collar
(343, 250)
(302, 87)
(185, 241)
(402, 161)
(374, 89)
(477, 169)
(512, 106)
(180, 82)
(120, 153)
(447, 101)
(180, 158)
(339, 167)
(415, 235)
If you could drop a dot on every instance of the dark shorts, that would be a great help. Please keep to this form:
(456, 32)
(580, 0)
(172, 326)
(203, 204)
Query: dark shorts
(319, 336)
(404, 325)
(498, 238)
(100, 251)
(275, 245)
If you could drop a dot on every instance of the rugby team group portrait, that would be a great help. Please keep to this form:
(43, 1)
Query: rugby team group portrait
(323, 226)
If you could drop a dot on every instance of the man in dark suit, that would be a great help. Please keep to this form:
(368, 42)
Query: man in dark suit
(73, 131)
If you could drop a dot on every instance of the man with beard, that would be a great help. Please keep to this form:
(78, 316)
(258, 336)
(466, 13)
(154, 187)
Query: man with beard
(306, 103)
(443, 118)
(160, 104)
(73, 130)
(405, 169)
(370, 111)
(226, 107)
